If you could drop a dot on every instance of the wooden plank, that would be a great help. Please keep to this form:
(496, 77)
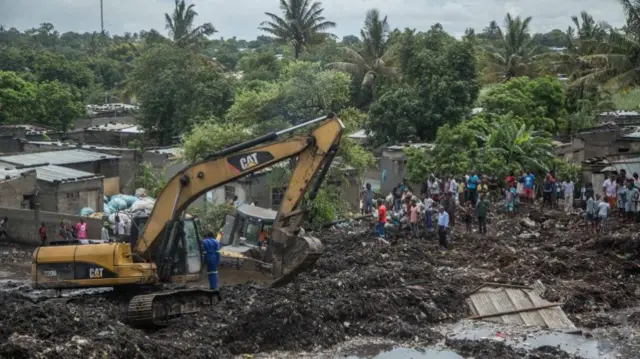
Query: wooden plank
(518, 311)
(522, 302)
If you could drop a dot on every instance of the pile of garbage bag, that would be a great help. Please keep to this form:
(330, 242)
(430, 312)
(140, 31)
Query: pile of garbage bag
(119, 203)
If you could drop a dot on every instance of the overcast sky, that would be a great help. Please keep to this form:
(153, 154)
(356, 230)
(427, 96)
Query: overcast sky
(242, 17)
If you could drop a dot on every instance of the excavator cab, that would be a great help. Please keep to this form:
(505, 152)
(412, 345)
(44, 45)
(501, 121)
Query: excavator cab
(188, 260)
(245, 239)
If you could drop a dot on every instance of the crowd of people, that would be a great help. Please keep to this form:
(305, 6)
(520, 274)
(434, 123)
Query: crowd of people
(442, 200)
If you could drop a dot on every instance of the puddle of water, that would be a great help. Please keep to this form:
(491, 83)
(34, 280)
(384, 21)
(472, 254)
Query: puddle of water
(406, 353)
(531, 338)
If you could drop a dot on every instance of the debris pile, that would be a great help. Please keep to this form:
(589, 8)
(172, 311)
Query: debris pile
(360, 286)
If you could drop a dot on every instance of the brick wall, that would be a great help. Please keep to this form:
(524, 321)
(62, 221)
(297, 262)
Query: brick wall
(12, 191)
(23, 225)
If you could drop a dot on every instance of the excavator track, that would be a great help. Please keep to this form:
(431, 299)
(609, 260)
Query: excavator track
(157, 309)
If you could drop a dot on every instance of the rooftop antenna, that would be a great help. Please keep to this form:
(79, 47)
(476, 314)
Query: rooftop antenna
(101, 19)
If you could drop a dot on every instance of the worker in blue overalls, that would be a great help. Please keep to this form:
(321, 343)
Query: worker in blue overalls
(212, 256)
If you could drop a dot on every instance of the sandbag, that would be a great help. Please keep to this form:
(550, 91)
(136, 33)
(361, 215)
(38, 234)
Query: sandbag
(86, 212)
(106, 210)
(118, 204)
(143, 204)
(129, 199)
(141, 192)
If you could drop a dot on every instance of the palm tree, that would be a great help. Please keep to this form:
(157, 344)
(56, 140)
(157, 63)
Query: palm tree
(615, 63)
(516, 143)
(302, 24)
(375, 56)
(514, 52)
(180, 25)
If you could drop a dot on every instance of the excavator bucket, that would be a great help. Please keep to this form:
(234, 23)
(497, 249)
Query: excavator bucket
(271, 269)
(297, 258)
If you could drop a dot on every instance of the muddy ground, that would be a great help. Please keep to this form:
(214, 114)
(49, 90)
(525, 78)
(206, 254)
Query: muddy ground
(359, 288)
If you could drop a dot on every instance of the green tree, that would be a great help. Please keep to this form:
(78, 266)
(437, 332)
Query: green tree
(301, 24)
(260, 65)
(57, 105)
(514, 53)
(177, 90)
(181, 28)
(375, 58)
(212, 136)
(17, 97)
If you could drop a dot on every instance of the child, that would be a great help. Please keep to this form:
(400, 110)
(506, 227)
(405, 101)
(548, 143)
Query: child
(603, 211)
(468, 215)
(481, 211)
(382, 218)
(508, 200)
(43, 234)
(590, 212)
(516, 199)
(630, 201)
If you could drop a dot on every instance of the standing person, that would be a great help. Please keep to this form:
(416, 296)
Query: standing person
(413, 219)
(483, 187)
(547, 192)
(636, 182)
(62, 232)
(510, 179)
(603, 211)
(508, 201)
(443, 227)
(119, 228)
(3, 228)
(520, 186)
(449, 204)
(610, 190)
(630, 201)
(493, 188)
(42, 232)
(428, 213)
(481, 211)
(367, 197)
(104, 232)
(212, 256)
(468, 216)
(453, 188)
(568, 195)
(397, 198)
(382, 218)
(461, 198)
(621, 200)
(81, 229)
(558, 192)
(529, 181)
(473, 188)
(435, 189)
(591, 212)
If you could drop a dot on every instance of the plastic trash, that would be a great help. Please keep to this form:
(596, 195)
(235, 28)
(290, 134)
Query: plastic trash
(141, 192)
(129, 199)
(145, 203)
(86, 212)
(118, 204)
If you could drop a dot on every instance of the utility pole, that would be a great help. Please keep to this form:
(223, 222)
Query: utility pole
(101, 19)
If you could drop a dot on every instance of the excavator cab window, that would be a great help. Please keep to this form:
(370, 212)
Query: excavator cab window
(252, 233)
(192, 239)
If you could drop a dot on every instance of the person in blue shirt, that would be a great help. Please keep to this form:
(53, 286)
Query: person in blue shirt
(443, 227)
(212, 256)
(529, 180)
(473, 188)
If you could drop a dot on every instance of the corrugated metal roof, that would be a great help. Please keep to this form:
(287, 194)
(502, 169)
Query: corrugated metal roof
(630, 165)
(75, 146)
(116, 127)
(516, 305)
(359, 135)
(52, 173)
(416, 145)
(56, 157)
(8, 173)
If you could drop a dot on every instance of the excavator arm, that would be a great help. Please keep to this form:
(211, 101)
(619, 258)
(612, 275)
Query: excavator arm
(314, 153)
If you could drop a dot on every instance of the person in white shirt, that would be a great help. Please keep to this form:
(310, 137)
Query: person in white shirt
(568, 188)
(428, 214)
(603, 210)
(610, 190)
(453, 188)
(443, 227)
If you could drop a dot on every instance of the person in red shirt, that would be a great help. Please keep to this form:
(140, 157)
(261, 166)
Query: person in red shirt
(43, 233)
(382, 218)
(511, 179)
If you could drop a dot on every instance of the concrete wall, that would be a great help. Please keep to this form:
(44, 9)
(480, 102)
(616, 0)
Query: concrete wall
(394, 163)
(10, 144)
(71, 197)
(90, 122)
(18, 132)
(13, 191)
(23, 225)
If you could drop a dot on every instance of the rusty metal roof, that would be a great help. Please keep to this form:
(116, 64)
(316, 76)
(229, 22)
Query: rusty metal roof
(518, 305)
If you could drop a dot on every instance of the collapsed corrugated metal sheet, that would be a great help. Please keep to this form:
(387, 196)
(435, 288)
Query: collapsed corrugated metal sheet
(630, 165)
(56, 157)
(516, 305)
(53, 173)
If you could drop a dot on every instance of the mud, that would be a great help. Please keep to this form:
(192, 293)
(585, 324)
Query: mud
(360, 287)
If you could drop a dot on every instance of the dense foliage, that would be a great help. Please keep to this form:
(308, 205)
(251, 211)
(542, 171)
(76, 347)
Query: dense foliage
(399, 85)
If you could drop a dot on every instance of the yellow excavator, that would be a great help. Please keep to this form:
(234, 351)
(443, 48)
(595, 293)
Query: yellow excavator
(168, 248)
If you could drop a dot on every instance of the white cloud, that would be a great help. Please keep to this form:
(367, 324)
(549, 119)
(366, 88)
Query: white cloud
(242, 17)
